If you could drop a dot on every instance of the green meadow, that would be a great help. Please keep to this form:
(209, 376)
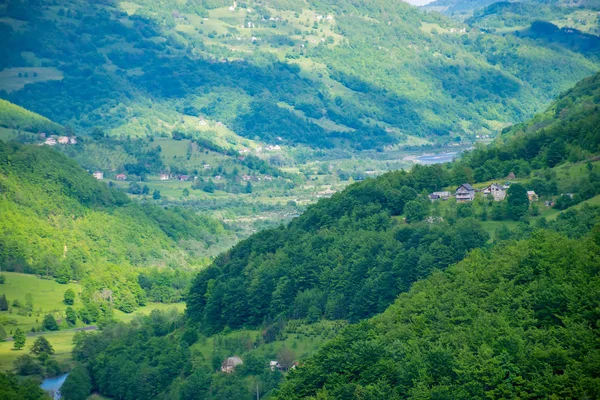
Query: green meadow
(47, 298)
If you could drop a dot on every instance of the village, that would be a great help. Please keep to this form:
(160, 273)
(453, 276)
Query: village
(466, 192)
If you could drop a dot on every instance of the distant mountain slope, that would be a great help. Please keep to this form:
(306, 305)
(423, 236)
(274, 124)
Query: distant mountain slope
(57, 220)
(465, 8)
(568, 130)
(324, 74)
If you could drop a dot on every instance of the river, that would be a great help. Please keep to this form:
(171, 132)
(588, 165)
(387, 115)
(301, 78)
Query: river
(53, 384)
(436, 158)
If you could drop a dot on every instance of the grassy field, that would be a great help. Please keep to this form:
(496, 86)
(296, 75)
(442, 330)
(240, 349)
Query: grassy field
(10, 80)
(47, 298)
(61, 341)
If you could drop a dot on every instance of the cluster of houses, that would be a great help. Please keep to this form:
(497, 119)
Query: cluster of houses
(270, 147)
(230, 363)
(182, 178)
(466, 192)
(185, 178)
(54, 140)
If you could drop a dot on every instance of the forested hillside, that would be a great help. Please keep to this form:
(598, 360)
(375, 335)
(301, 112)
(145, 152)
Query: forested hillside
(15, 117)
(58, 221)
(519, 321)
(323, 74)
(349, 256)
(344, 258)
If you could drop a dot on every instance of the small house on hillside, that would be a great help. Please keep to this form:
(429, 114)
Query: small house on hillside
(183, 178)
(98, 175)
(274, 365)
(228, 366)
(465, 192)
(532, 196)
(164, 177)
(63, 140)
(497, 192)
(50, 142)
(439, 195)
(121, 177)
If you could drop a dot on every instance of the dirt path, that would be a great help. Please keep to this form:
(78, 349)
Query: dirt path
(33, 334)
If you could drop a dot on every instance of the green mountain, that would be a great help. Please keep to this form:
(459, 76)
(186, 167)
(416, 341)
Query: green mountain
(516, 10)
(58, 221)
(480, 299)
(323, 74)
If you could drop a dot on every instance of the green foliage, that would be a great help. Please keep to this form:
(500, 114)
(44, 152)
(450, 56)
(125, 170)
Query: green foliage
(459, 332)
(3, 303)
(49, 323)
(3, 334)
(41, 345)
(517, 201)
(71, 316)
(415, 211)
(12, 388)
(69, 297)
(83, 226)
(78, 385)
(15, 117)
(568, 127)
(486, 80)
(19, 339)
(26, 365)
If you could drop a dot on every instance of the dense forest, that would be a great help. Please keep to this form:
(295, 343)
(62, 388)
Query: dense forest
(60, 222)
(516, 321)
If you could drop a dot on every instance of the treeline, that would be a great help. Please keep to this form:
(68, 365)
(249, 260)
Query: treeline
(60, 222)
(518, 321)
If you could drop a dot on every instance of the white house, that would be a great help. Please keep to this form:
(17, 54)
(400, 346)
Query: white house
(465, 192)
(496, 191)
(50, 141)
(532, 196)
(98, 175)
(228, 366)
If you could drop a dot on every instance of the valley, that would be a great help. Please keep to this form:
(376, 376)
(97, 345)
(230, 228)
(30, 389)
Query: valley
(215, 199)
